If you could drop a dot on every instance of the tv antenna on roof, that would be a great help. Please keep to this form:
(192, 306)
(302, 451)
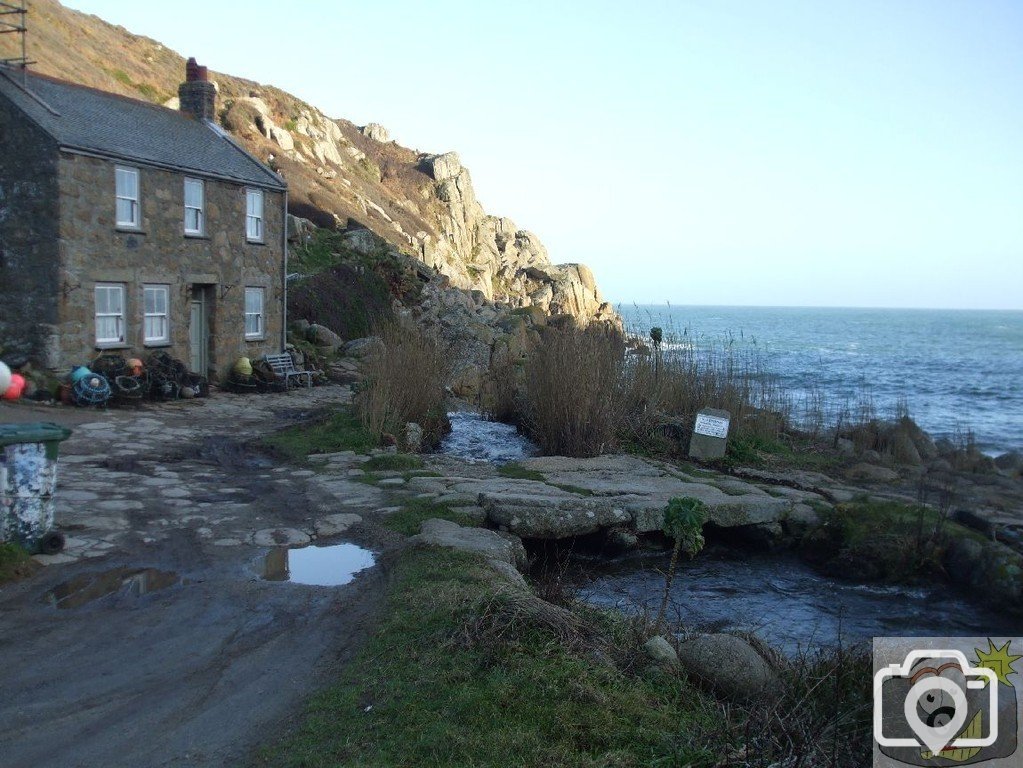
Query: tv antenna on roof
(12, 21)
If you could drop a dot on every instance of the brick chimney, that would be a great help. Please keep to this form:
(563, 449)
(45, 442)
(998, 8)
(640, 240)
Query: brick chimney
(197, 95)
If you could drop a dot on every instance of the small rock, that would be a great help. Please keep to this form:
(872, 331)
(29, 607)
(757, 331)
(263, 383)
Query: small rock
(660, 650)
(361, 347)
(413, 437)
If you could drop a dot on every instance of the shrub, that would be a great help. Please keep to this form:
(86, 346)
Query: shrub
(348, 299)
(405, 381)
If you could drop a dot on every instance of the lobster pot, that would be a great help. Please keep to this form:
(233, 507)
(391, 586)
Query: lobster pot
(28, 480)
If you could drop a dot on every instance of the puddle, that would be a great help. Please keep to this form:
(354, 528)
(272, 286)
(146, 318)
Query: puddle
(92, 586)
(318, 566)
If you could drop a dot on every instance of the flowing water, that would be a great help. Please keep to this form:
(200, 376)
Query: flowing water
(783, 600)
(786, 602)
(476, 440)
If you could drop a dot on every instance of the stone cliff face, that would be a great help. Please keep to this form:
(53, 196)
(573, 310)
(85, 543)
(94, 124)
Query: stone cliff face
(340, 175)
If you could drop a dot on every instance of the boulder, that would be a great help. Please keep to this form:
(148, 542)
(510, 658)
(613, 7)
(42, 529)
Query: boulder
(322, 336)
(729, 665)
(478, 541)
(360, 348)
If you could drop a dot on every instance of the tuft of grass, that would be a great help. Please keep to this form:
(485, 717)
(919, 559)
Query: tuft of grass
(341, 431)
(415, 511)
(15, 562)
(392, 462)
(516, 471)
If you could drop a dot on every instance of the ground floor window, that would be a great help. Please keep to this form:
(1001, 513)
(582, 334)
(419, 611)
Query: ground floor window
(109, 313)
(254, 321)
(156, 325)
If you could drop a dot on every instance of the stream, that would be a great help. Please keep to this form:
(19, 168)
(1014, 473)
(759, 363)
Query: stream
(779, 597)
(783, 600)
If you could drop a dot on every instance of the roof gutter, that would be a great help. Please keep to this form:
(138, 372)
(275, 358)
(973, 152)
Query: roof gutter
(73, 150)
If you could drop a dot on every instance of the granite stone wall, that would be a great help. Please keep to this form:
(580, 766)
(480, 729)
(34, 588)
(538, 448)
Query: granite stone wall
(220, 264)
(29, 283)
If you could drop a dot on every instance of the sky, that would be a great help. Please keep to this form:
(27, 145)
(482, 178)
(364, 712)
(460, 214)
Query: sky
(777, 153)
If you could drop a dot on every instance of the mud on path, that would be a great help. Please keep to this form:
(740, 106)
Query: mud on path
(185, 657)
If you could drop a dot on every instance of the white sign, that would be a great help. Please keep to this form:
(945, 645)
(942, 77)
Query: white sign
(711, 426)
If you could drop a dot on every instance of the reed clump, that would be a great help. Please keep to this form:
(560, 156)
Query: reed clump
(586, 391)
(405, 380)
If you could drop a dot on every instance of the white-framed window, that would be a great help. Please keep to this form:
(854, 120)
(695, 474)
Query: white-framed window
(195, 198)
(109, 313)
(126, 183)
(254, 322)
(156, 317)
(254, 215)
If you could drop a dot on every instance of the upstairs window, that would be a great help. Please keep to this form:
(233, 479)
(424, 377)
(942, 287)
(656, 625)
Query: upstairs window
(254, 215)
(194, 208)
(156, 323)
(127, 191)
(109, 313)
(253, 313)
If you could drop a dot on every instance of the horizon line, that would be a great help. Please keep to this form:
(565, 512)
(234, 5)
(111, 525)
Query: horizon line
(618, 304)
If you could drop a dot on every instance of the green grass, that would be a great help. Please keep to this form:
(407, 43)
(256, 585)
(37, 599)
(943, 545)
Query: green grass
(455, 675)
(391, 462)
(415, 511)
(884, 541)
(518, 472)
(341, 431)
(15, 562)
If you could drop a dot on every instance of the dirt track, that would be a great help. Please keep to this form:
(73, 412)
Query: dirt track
(200, 672)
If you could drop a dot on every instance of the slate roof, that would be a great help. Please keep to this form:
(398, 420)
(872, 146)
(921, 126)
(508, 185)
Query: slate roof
(96, 122)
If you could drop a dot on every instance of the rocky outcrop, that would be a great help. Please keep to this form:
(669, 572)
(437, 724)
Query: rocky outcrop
(339, 175)
(506, 263)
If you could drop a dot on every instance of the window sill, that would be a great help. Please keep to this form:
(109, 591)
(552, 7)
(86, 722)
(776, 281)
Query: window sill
(105, 345)
(255, 242)
(156, 344)
(255, 338)
(196, 236)
(129, 230)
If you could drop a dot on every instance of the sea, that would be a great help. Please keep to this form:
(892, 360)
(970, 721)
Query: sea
(957, 371)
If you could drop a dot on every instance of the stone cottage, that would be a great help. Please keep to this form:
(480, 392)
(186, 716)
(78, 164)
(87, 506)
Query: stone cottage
(131, 227)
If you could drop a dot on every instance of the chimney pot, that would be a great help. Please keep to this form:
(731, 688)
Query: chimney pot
(197, 95)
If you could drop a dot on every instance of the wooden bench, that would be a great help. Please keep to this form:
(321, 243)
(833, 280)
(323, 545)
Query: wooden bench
(284, 367)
